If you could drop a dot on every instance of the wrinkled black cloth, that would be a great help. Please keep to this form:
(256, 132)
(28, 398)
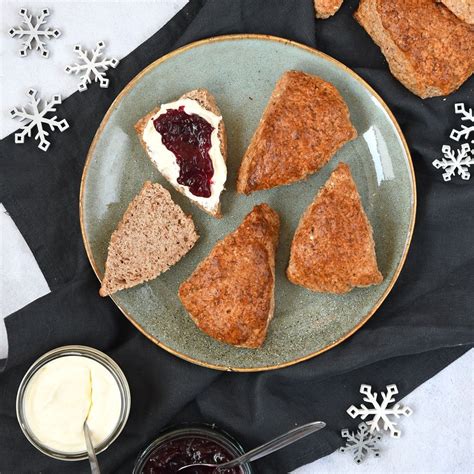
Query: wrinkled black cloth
(425, 323)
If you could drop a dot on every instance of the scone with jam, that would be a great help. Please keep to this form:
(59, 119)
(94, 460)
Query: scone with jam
(186, 141)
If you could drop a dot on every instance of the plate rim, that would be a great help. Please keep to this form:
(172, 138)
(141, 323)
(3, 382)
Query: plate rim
(342, 67)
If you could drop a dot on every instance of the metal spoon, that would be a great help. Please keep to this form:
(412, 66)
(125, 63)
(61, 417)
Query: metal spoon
(90, 450)
(265, 449)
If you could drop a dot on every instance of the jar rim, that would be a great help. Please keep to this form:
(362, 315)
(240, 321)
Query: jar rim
(194, 429)
(83, 351)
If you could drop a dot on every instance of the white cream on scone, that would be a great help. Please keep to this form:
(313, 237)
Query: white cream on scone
(165, 160)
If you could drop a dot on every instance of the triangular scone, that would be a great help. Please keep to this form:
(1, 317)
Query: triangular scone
(333, 248)
(306, 121)
(153, 235)
(192, 124)
(427, 47)
(230, 295)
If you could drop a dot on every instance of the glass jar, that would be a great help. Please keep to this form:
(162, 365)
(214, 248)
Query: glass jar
(194, 431)
(82, 351)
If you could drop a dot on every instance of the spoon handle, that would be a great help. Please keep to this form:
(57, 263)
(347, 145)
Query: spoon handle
(275, 444)
(90, 451)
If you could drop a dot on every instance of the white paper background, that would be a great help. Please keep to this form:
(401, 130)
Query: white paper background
(439, 436)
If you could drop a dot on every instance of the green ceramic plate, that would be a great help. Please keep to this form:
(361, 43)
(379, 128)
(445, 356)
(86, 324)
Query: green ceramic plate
(241, 72)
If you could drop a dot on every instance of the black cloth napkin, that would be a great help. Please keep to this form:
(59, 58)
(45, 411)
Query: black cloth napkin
(425, 323)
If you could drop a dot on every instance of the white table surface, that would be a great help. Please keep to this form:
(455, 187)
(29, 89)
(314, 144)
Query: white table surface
(438, 437)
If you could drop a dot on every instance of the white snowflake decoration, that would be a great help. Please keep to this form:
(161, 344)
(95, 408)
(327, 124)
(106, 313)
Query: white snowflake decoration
(459, 160)
(361, 442)
(92, 67)
(452, 163)
(380, 411)
(35, 36)
(35, 116)
(467, 114)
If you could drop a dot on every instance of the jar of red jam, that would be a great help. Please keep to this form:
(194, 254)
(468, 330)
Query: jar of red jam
(189, 444)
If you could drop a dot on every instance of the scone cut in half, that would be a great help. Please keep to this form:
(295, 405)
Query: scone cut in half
(186, 141)
(304, 124)
(333, 248)
(428, 48)
(230, 295)
(153, 235)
